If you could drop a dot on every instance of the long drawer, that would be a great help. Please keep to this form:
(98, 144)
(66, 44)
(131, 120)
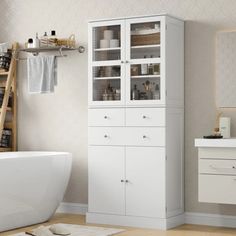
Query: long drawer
(106, 117)
(145, 116)
(223, 167)
(128, 136)
(217, 189)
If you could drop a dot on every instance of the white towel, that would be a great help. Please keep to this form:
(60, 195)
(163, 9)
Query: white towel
(42, 75)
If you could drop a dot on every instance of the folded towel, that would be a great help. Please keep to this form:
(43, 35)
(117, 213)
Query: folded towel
(42, 75)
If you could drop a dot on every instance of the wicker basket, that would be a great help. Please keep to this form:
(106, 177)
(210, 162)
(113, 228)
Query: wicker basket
(147, 39)
(69, 42)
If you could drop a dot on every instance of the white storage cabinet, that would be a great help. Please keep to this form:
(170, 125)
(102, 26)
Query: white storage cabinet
(136, 105)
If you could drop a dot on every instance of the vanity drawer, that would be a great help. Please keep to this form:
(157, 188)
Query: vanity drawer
(145, 116)
(223, 167)
(144, 136)
(106, 136)
(106, 117)
(217, 189)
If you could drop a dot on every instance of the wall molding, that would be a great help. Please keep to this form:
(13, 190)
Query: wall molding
(72, 208)
(190, 217)
(210, 219)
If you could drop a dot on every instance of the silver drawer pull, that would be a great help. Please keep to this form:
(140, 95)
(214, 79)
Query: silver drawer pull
(122, 181)
(105, 117)
(144, 136)
(105, 136)
(223, 168)
(126, 181)
(144, 117)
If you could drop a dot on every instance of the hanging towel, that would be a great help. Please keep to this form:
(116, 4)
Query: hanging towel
(42, 74)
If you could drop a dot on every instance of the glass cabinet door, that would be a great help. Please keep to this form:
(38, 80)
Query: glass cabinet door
(144, 67)
(107, 69)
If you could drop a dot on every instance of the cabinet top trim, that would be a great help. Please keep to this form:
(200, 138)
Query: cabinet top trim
(200, 142)
(135, 17)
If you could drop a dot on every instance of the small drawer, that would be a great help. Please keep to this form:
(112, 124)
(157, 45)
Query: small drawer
(145, 116)
(217, 189)
(106, 117)
(106, 136)
(142, 136)
(227, 167)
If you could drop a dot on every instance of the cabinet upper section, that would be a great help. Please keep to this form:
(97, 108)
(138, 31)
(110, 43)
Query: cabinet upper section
(130, 60)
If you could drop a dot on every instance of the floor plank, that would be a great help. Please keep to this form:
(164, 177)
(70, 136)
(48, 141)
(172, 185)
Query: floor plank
(185, 230)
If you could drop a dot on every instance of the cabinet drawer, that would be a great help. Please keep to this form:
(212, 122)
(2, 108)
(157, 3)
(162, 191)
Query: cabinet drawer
(127, 136)
(106, 117)
(217, 189)
(145, 116)
(144, 136)
(106, 135)
(227, 167)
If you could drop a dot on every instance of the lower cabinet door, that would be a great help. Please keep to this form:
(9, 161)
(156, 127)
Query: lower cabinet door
(106, 175)
(145, 186)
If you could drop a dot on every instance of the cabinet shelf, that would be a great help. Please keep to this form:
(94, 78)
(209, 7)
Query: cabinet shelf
(106, 78)
(106, 49)
(146, 46)
(144, 76)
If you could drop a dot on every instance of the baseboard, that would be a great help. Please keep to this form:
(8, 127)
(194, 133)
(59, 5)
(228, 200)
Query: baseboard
(187, 218)
(133, 221)
(210, 219)
(72, 208)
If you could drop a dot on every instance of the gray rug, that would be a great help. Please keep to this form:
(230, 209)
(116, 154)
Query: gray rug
(82, 230)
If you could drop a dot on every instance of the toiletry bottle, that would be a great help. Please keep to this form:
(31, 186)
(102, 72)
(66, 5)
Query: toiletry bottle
(36, 42)
(53, 40)
(30, 43)
(44, 40)
(134, 95)
(156, 69)
(150, 68)
(144, 68)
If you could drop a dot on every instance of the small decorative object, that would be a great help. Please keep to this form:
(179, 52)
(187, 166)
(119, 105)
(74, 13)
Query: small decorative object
(134, 93)
(67, 42)
(144, 68)
(156, 93)
(156, 69)
(52, 41)
(44, 40)
(30, 43)
(117, 94)
(105, 96)
(134, 70)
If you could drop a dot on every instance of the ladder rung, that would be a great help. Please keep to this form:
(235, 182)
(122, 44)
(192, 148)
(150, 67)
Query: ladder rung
(8, 109)
(3, 73)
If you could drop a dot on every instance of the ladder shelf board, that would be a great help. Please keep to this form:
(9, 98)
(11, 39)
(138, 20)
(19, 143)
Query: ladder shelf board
(8, 125)
(4, 73)
(5, 149)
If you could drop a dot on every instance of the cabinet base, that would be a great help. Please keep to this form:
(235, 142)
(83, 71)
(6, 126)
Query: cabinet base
(141, 222)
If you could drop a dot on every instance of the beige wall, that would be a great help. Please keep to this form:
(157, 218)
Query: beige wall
(58, 121)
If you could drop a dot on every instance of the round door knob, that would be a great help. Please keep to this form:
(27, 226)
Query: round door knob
(126, 61)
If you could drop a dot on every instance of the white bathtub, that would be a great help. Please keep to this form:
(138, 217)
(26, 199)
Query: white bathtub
(32, 185)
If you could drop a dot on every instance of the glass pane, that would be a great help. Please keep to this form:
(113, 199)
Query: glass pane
(145, 40)
(106, 45)
(145, 82)
(106, 83)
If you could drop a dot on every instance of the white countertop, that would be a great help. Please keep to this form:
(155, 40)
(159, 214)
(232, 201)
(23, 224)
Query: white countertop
(203, 142)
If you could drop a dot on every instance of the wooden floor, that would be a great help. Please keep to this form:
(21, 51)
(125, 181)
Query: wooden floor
(185, 230)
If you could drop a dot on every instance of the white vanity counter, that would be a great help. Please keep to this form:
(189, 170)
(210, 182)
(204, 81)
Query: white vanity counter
(203, 142)
(216, 170)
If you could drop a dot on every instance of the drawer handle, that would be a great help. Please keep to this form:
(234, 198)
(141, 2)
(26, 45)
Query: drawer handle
(144, 117)
(126, 181)
(144, 136)
(105, 136)
(122, 181)
(223, 168)
(105, 117)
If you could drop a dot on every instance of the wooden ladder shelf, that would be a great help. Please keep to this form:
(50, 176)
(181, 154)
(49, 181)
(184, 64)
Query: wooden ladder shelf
(10, 86)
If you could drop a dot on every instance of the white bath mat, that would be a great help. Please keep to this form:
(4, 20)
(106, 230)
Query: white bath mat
(83, 230)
